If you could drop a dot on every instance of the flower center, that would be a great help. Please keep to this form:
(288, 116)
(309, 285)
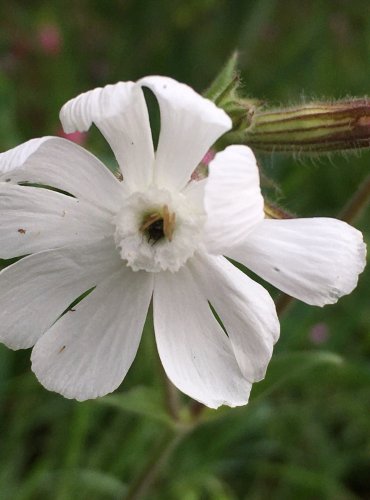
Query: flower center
(158, 230)
(159, 225)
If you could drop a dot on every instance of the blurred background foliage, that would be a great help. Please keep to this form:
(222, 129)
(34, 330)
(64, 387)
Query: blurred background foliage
(306, 432)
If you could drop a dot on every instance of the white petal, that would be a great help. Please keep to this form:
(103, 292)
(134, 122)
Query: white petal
(17, 156)
(34, 219)
(87, 352)
(190, 124)
(120, 112)
(246, 310)
(60, 163)
(194, 193)
(315, 260)
(35, 291)
(233, 199)
(195, 352)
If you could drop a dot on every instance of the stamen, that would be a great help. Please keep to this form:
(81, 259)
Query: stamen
(150, 224)
(149, 220)
(168, 223)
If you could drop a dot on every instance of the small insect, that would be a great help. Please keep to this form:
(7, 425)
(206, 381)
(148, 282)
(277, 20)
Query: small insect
(21, 231)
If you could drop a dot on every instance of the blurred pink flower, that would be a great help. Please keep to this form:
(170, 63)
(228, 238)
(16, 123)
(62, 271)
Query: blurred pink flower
(319, 333)
(50, 39)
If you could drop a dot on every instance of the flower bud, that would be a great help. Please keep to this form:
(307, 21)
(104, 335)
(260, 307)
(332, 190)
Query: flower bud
(311, 128)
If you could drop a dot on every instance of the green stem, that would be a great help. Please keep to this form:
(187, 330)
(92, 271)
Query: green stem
(357, 203)
(274, 212)
(146, 478)
(167, 442)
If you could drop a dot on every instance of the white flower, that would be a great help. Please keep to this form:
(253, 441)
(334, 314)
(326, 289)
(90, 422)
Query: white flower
(156, 234)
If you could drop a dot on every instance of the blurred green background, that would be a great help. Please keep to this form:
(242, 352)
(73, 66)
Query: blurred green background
(306, 432)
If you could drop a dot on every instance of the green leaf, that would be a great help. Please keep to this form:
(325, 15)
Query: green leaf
(283, 369)
(99, 482)
(81, 481)
(226, 81)
(289, 366)
(143, 401)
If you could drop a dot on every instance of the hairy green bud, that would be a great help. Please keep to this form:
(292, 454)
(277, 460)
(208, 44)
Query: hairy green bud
(311, 128)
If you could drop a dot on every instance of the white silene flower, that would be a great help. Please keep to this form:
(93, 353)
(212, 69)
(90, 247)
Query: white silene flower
(156, 234)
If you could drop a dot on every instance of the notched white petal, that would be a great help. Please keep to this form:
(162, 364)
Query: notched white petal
(37, 289)
(190, 124)
(61, 164)
(120, 112)
(34, 219)
(195, 352)
(316, 260)
(16, 157)
(233, 199)
(87, 352)
(245, 308)
(94, 105)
